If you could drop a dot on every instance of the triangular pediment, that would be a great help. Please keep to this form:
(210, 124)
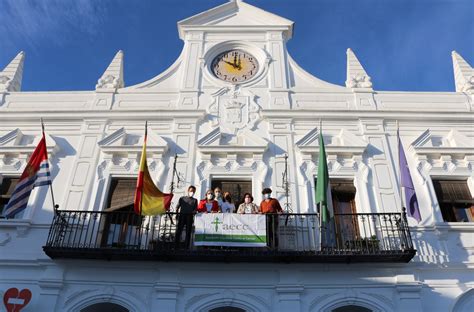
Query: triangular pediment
(123, 141)
(443, 142)
(342, 143)
(16, 141)
(216, 142)
(236, 14)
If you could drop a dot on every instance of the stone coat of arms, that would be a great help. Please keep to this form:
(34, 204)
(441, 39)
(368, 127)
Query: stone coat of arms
(234, 112)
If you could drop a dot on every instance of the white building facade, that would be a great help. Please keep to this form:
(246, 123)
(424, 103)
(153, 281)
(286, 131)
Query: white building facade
(232, 107)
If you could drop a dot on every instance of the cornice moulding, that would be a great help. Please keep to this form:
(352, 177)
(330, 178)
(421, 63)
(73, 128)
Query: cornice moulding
(13, 143)
(211, 144)
(347, 143)
(338, 150)
(117, 143)
(115, 115)
(454, 151)
(232, 149)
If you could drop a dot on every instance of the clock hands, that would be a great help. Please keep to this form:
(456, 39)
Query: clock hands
(236, 64)
(239, 64)
(230, 63)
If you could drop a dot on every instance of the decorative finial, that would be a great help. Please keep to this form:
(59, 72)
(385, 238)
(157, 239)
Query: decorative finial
(11, 76)
(463, 73)
(112, 78)
(356, 75)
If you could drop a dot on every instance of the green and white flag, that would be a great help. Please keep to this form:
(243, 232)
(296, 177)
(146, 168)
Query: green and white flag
(323, 188)
(230, 229)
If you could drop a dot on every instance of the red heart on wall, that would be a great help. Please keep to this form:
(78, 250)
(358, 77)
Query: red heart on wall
(15, 300)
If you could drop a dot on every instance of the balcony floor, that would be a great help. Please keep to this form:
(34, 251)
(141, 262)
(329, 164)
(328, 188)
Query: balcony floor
(231, 255)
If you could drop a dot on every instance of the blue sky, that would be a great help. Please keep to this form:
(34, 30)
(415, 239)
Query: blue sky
(404, 45)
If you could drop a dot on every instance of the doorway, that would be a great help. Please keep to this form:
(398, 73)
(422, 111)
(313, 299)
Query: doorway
(237, 188)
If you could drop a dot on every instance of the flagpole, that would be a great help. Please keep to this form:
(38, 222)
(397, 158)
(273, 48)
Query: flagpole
(320, 208)
(399, 168)
(55, 206)
(175, 173)
(144, 143)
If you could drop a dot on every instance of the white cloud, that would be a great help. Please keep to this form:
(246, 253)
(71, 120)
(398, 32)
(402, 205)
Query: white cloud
(32, 21)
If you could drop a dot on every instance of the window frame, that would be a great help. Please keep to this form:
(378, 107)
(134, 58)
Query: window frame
(447, 214)
(3, 196)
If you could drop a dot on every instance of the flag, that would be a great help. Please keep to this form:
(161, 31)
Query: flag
(323, 188)
(406, 184)
(149, 200)
(35, 174)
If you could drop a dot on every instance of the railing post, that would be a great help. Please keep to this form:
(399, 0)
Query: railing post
(406, 229)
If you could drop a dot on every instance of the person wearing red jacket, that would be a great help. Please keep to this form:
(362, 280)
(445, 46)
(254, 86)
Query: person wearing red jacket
(271, 207)
(208, 204)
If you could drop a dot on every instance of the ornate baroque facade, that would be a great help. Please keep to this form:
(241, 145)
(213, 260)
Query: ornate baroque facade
(242, 131)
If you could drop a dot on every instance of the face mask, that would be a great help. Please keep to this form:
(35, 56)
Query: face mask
(191, 194)
(218, 195)
(247, 200)
(266, 196)
(210, 196)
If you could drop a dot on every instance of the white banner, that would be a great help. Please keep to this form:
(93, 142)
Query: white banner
(230, 229)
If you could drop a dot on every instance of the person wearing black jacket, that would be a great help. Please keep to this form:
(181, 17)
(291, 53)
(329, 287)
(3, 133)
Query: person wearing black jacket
(186, 208)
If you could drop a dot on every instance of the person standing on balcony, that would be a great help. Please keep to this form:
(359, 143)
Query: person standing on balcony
(271, 207)
(186, 208)
(218, 197)
(208, 204)
(248, 207)
(227, 204)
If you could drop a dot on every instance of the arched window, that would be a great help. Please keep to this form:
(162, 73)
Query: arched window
(351, 308)
(227, 309)
(105, 307)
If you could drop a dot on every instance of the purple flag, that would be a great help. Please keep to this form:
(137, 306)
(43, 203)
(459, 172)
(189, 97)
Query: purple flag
(411, 201)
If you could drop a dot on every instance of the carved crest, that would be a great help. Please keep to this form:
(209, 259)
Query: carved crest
(233, 111)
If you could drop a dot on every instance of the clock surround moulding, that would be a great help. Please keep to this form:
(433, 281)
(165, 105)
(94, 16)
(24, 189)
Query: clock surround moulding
(262, 57)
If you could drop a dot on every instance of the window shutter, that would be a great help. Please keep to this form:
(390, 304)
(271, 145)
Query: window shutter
(448, 191)
(121, 193)
(343, 186)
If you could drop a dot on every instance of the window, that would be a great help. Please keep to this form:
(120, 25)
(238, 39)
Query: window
(236, 188)
(343, 197)
(105, 307)
(227, 309)
(351, 308)
(121, 194)
(344, 232)
(455, 200)
(121, 226)
(6, 190)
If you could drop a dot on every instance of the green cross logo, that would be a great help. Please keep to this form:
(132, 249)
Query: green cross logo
(216, 222)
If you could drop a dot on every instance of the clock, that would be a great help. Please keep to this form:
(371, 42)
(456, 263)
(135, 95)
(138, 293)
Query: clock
(234, 66)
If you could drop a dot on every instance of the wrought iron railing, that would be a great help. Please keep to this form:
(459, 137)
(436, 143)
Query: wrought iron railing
(365, 237)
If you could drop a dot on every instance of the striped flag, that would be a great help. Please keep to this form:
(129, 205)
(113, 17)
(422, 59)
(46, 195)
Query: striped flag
(35, 174)
(323, 188)
(149, 200)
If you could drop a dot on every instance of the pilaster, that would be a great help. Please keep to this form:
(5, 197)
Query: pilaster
(51, 285)
(166, 291)
(409, 293)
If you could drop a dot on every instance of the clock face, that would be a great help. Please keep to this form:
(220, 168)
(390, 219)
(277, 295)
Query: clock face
(234, 66)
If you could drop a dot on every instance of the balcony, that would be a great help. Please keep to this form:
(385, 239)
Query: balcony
(372, 237)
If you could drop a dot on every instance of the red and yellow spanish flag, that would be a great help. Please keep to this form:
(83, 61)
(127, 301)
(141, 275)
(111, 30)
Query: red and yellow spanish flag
(149, 200)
